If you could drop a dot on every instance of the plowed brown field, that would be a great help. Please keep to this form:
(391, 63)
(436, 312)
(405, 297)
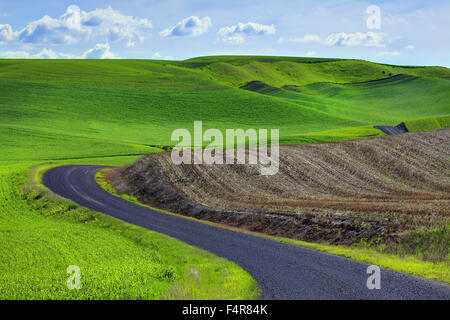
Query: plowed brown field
(373, 189)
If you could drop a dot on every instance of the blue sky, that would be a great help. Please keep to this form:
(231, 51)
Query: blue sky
(409, 32)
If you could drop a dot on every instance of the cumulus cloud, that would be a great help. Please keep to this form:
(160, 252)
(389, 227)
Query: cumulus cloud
(114, 24)
(310, 53)
(6, 33)
(237, 33)
(75, 25)
(409, 47)
(367, 39)
(47, 30)
(190, 26)
(100, 51)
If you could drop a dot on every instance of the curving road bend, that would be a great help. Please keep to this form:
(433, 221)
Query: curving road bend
(282, 271)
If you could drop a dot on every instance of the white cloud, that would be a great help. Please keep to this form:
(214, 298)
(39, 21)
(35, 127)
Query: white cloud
(48, 54)
(44, 54)
(410, 47)
(72, 18)
(75, 25)
(14, 54)
(237, 33)
(7, 33)
(388, 53)
(100, 51)
(235, 39)
(114, 24)
(50, 31)
(310, 53)
(368, 39)
(305, 39)
(156, 55)
(190, 26)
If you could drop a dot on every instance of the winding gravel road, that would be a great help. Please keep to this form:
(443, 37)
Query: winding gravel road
(283, 271)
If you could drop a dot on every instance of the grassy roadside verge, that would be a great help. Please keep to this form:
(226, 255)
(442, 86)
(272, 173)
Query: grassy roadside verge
(42, 234)
(406, 263)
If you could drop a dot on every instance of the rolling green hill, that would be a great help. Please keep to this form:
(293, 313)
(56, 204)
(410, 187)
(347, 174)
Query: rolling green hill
(111, 111)
(121, 107)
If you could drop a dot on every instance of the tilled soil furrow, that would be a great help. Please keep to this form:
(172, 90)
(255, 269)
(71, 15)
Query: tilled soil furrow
(338, 192)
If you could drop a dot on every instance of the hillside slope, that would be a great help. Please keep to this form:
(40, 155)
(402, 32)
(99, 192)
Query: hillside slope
(281, 71)
(110, 112)
(340, 192)
(120, 107)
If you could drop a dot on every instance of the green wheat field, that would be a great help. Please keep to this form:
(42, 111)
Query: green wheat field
(111, 111)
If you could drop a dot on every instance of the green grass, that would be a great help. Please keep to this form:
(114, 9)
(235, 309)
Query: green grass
(407, 263)
(42, 235)
(72, 108)
(110, 112)
(363, 132)
(428, 245)
(100, 179)
(279, 71)
(428, 123)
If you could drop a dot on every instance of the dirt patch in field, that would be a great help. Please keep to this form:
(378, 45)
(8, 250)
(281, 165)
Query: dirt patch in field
(340, 192)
